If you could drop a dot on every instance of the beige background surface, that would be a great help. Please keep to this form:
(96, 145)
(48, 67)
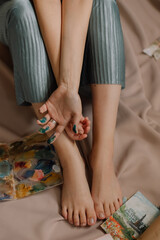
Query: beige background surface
(137, 137)
(153, 232)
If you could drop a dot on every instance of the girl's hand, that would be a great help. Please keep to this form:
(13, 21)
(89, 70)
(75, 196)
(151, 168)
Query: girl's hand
(83, 129)
(64, 106)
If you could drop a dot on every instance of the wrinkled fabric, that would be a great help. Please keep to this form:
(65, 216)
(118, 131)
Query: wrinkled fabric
(137, 135)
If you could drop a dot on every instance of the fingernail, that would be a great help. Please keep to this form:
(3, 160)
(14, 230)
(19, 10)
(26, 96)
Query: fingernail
(43, 130)
(101, 215)
(91, 221)
(43, 120)
(51, 139)
(74, 128)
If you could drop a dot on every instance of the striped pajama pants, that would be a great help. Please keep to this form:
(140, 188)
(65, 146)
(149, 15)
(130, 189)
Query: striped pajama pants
(103, 62)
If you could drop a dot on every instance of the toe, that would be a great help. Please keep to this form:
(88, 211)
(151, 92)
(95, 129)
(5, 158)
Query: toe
(91, 216)
(76, 218)
(107, 210)
(112, 208)
(120, 201)
(64, 212)
(116, 205)
(83, 221)
(70, 216)
(99, 210)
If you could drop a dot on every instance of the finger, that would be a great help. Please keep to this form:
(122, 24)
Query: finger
(82, 119)
(43, 108)
(86, 122)
(59, 129)
(81, 137)
(78, 137)
(73, 136)
(87, 129)
(86, 125)
(48, 127)
(44, 120)
(75, 121)
(80, 129)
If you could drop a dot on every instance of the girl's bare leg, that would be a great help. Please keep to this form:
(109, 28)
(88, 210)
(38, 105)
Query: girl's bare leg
(106, 191)
(33, 76)
(77, 203)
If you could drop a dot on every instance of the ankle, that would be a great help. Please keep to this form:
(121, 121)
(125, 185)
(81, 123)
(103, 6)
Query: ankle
(102, 149)
(101, 157)
(103, 142)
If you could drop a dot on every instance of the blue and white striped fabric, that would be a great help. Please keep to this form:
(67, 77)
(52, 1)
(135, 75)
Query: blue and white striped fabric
(104, 59)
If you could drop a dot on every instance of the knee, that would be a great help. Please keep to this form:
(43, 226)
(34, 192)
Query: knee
(104, 4)
(107, 2)
(20, 10)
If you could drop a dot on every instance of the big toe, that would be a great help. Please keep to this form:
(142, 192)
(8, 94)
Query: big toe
(91, 216)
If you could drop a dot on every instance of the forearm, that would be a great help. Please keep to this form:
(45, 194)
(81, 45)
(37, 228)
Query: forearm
(49, 18)
(75, 20)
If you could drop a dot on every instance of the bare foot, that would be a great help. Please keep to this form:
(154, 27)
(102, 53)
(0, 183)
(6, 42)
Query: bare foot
(77, 203)
(106, 192)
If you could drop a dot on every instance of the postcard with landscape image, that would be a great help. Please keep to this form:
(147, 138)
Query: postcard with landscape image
(131, 219)
(28, 166)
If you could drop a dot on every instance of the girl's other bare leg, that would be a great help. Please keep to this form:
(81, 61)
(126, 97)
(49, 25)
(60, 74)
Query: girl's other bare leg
(106, 191)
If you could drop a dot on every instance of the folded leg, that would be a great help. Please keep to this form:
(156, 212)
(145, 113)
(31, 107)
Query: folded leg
(19, 30)
(104, 58)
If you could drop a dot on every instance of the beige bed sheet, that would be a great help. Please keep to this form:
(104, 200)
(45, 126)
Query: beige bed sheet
(137, 136)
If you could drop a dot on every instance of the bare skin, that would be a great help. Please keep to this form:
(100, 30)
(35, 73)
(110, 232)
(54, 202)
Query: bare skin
(78, 204)
(105, 191)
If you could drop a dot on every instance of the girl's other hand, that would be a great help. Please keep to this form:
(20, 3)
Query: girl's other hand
(64, 106)
(83, 129)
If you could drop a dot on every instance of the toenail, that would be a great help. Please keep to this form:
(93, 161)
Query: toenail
(83, 224)
(101, 215)
(91, 221)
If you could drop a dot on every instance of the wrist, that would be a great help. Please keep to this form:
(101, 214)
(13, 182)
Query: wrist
(68, 87)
